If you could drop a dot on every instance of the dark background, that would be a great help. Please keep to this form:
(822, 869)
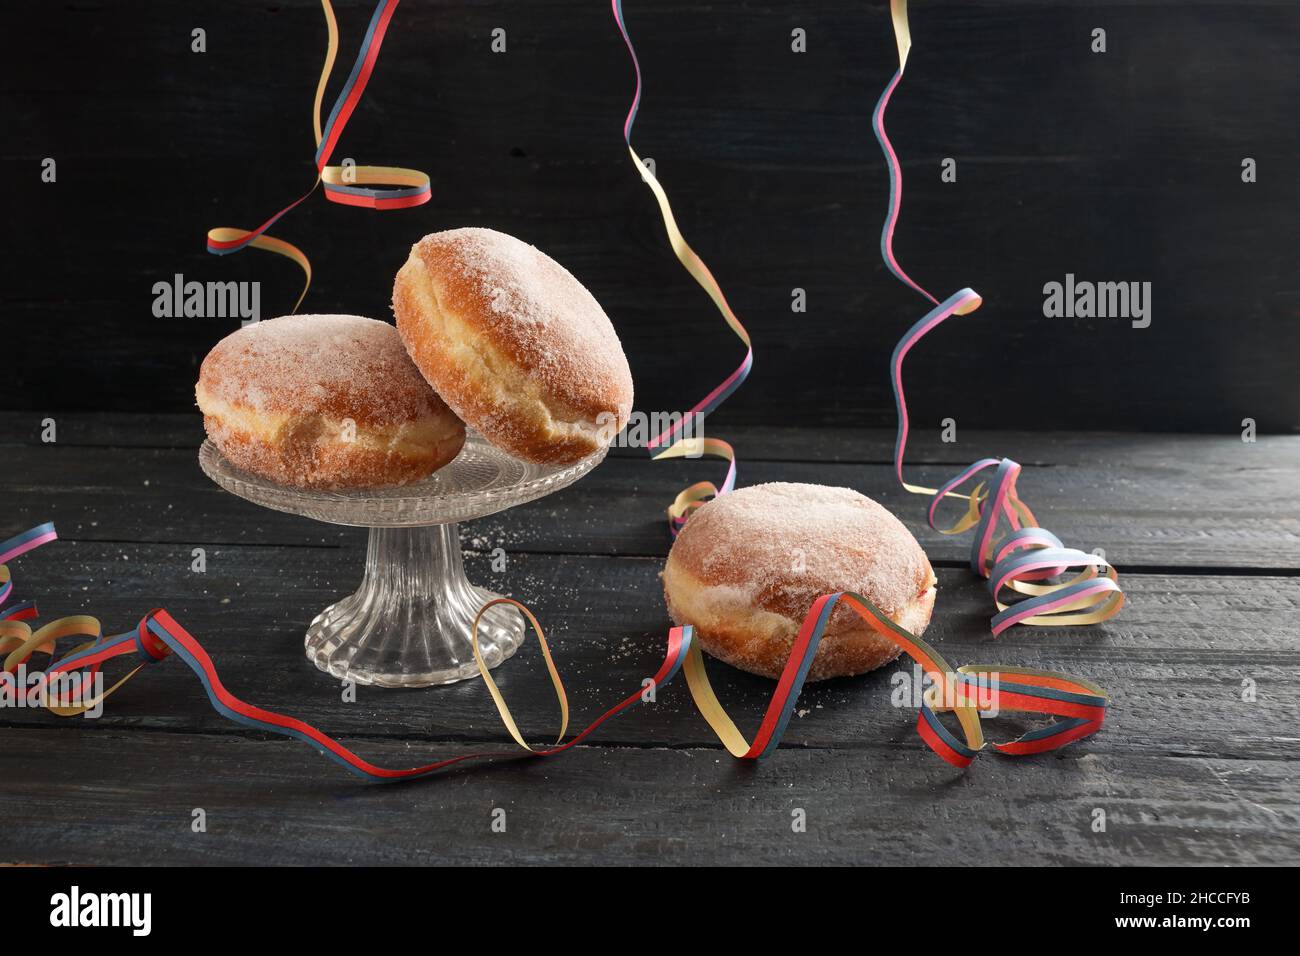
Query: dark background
(1124, 166)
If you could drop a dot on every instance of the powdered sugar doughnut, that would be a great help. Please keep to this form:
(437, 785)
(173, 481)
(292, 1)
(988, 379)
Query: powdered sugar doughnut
(514, 344)
(748, 565)
(324, 401)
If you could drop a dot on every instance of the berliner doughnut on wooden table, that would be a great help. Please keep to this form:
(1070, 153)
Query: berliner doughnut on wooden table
(748, 565)
(514, 344)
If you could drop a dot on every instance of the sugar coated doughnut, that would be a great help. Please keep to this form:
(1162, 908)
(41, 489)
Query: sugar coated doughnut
(514, 344)
(324, 401)
(748, 565)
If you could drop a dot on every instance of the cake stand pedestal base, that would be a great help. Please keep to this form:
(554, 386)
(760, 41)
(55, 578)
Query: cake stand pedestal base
(410, 622)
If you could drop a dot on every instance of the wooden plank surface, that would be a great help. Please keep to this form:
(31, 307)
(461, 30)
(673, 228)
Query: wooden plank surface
(124, 798)
(1186, 770)
(1153, 501)
(1183, 643)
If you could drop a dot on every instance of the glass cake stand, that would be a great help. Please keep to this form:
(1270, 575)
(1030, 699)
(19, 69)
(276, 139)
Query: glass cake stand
(409, 623)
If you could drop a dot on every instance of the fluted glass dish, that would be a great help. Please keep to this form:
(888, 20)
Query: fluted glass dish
(409, 623)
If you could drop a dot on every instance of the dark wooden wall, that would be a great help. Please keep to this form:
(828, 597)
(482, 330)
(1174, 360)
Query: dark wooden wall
(1121, 166)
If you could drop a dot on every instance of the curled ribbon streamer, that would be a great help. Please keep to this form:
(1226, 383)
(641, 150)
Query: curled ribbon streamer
(1008, 549)
(18, 642)
(348, 185)
(694, 496)
(967, 692)
(159, 635)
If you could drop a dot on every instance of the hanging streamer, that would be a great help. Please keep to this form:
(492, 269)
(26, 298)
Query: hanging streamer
(1008, 548)
(348, 185)
(687, 447)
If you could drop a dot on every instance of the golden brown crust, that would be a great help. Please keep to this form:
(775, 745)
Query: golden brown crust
(325, 402)
(760, 644)
(514, 344)
(302, 459)
(748, 565)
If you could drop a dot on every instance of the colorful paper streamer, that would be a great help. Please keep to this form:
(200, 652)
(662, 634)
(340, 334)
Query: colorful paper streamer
(158, 636)
(348, 185)
(1008, 548)
(666, 443)
(966, 692)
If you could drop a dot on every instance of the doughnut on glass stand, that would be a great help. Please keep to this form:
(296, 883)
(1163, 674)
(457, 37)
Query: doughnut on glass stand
(409, 623)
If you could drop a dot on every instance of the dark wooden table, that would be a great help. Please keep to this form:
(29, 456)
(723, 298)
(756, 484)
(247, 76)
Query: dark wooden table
(1205, 532)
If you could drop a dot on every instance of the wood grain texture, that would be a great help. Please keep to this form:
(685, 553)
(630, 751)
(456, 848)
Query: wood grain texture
(266, 803)
(1123, 167)
(1153, 501)
(1184, 643)
(1188, 769)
